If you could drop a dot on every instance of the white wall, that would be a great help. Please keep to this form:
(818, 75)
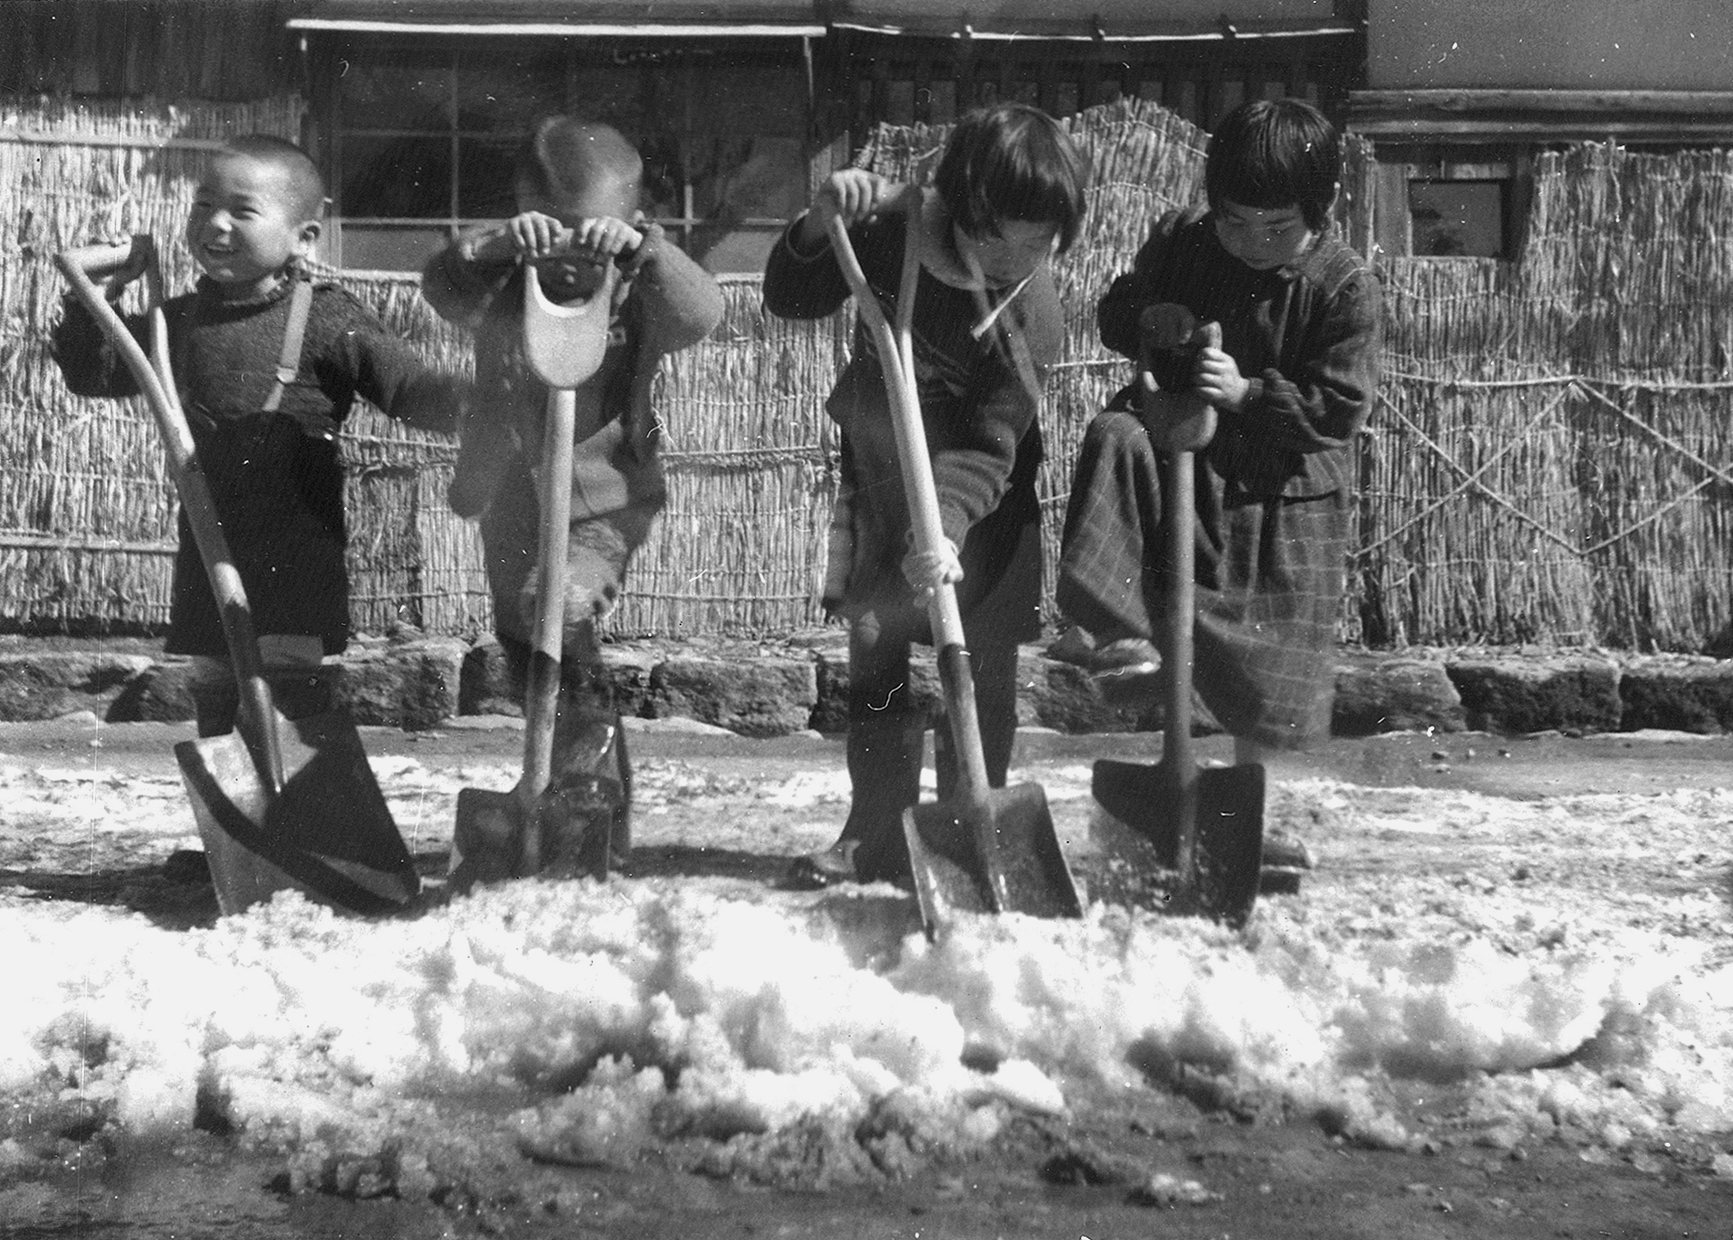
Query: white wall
(1557, 44)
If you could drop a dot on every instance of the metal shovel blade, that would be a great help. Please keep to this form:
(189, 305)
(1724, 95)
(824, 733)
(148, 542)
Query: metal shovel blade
(951, 877)
(1229, 824)
(487, 843)
(327, 834)
(582, 817)
(486, 840)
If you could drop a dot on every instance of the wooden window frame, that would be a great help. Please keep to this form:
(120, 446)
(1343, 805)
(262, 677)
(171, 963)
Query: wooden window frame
(330, 54)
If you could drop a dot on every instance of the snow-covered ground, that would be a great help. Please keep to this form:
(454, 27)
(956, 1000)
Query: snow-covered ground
(1548, 964)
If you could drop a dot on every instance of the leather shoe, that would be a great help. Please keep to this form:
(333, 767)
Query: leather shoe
(826, 868)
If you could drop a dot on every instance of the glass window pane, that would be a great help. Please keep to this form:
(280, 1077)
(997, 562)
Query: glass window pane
(621, 95)
(900, 97)
(501, 92)
(403, 90)
(943, 100)
(757, 98)
(664, 174)
(760, 178)
(380, 247)
(722, 135)
(1458, 217)
(395, 177)
(485, 171)
(1068, 92)
(735, 250)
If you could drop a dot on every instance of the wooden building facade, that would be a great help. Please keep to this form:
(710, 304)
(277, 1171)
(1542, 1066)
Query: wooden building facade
(413, 105)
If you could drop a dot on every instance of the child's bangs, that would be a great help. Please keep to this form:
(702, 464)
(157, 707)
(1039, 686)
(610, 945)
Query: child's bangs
(1029, 182)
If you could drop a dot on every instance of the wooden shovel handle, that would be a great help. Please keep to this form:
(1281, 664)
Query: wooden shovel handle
(897, 364)
(257, 717)
(1179, 500)
(584, 334)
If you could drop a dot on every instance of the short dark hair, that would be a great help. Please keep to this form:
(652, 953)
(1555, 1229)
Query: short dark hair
(1275, 153)
(1012, 162)
(306, 183)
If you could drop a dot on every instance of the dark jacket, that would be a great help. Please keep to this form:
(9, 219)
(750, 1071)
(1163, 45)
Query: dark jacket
(1306, 336)
(275, 478)
(980, 415)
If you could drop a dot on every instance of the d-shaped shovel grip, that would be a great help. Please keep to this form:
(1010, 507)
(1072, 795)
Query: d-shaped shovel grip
(257, 718)
(565, 344)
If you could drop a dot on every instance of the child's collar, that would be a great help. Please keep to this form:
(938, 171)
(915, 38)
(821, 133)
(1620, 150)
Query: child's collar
(286, 281)
(940, 257)
(939, 245)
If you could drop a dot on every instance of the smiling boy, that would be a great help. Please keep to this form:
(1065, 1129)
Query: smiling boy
(269, 364)
(1292, 384)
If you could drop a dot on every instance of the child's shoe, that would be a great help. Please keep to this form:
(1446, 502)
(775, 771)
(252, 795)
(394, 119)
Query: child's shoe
(1074, 646)
(826, 868)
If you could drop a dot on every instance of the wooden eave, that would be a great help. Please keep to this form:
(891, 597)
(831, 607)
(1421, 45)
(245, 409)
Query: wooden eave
(1451, 115)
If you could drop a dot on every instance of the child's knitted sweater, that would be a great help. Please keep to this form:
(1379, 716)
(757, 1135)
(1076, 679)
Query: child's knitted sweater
(275, 478)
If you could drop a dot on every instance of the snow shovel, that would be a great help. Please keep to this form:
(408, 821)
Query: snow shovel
(1207, 824)
(502, 835)
(280, 803)
(987, 849)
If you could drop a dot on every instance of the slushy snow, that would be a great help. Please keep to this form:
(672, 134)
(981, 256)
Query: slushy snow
(614, 1013)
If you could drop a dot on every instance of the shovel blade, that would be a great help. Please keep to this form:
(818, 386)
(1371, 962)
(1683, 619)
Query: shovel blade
(1230, 830)
(581, 824)
(584, 814)
(328, 833)
(951, 876)
(487, 840)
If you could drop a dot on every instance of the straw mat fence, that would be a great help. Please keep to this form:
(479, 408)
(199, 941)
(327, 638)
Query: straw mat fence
(1551, 457)
(1549, 460)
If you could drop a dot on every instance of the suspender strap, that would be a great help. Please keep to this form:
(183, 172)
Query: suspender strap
(289, 361)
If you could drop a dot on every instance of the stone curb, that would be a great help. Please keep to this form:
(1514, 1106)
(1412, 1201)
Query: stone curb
(776, 688)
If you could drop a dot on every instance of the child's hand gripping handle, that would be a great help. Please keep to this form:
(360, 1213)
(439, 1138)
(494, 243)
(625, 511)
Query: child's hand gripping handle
(117, 265)
(1178, 421)
(612, 241)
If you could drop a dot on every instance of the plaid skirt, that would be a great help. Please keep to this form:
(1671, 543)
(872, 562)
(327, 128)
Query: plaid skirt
(1270, 574)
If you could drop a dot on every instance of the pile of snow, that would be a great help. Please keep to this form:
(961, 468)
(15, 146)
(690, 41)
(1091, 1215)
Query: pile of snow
(616, 1013)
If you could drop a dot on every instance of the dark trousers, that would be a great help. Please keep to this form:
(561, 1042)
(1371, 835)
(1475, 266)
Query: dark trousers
(297, 694)
(887, 732)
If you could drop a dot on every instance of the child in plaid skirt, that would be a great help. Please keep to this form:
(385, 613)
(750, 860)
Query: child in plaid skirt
(1292, 384)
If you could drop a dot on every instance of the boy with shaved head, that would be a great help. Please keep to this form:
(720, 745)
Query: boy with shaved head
(577, 188)
(269, 363)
